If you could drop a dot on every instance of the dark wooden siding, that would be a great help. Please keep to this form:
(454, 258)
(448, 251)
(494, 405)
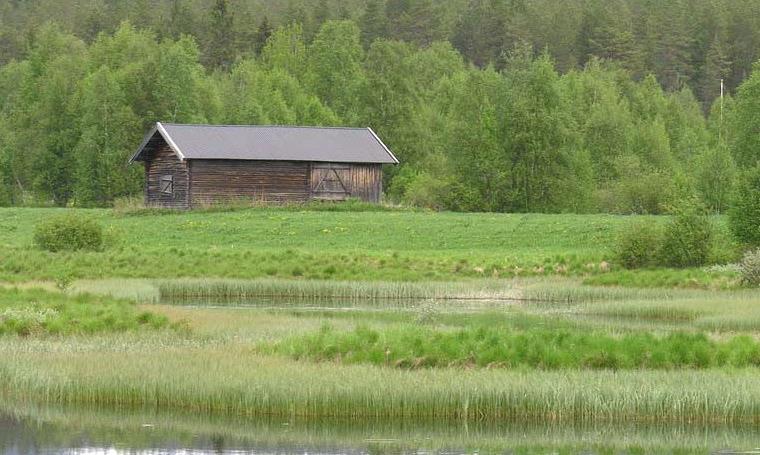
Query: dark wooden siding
(367, 182)
(216, 181)
(160, 164)
(361, 181)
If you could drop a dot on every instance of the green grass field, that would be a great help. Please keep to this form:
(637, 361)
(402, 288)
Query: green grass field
(335, 245)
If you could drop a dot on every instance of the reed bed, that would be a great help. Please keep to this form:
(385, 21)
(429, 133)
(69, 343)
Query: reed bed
(234, 381)
(559, 290)
(139, 290)
(221, 290)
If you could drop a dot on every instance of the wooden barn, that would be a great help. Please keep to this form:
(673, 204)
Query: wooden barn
(195, 165)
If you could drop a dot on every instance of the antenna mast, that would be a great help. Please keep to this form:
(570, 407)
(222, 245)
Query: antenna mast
(720, 126)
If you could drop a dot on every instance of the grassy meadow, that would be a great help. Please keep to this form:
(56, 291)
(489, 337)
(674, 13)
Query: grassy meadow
(380, 315)
(318, 243)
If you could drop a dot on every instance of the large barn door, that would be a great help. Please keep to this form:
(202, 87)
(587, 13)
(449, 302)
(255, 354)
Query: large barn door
(330, 181)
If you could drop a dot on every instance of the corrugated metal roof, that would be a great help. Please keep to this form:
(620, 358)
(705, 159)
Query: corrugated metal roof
(285, 143)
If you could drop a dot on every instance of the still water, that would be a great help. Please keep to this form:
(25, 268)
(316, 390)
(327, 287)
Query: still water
(35, 430)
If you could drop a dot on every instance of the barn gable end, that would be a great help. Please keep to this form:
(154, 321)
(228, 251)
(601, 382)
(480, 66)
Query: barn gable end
(167, 179)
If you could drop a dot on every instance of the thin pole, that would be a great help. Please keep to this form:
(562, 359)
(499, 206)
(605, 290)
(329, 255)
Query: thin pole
(720, 126)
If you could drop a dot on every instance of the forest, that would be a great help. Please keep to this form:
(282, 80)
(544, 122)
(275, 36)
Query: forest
(491, 105)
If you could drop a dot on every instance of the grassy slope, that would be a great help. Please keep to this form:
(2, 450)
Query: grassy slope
(315, 244)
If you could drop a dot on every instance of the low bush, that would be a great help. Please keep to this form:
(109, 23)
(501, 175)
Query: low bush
(68, 232)
(414, 346)
(750, 268)
(687, 240)
(637, 246)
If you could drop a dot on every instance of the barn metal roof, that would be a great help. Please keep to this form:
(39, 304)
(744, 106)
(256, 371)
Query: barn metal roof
(283, 143)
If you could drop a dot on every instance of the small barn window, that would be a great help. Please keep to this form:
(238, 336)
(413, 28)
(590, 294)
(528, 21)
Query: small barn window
(167, 184)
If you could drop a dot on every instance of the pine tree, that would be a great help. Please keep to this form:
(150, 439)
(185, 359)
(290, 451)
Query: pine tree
(716, 68)
(481, 31)
(416, 21)
(180, 19)
(373, 22)
(262, 35)
(221, 51)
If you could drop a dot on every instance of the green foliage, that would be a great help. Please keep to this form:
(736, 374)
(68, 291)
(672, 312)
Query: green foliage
(334, 67)
(420, 347)
(638, 245)
(688, 237)
(715, 178)
(744, 215)
(745, 122)
(576, 128)
(750, 268)
(68, 232)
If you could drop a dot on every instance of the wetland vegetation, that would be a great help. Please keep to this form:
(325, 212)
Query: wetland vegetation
(415, 322)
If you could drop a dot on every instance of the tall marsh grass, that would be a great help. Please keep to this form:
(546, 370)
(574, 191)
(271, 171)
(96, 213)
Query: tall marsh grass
(234, 381)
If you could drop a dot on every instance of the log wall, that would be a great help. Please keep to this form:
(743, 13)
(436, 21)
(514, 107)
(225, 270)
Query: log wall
(367, 182)
(215, 181)
(205, 182)
(163, 162)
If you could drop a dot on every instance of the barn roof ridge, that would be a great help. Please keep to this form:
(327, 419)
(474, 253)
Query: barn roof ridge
(212, 125)
(269, 142)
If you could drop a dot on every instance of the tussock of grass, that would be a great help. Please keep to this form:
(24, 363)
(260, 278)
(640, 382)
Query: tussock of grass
(37, 312)
(234, 290)
(416, 347)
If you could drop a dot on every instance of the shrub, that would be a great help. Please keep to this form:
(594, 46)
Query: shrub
(68, 232)
(687, 241)
(637, 246)
(750, 268)
(744, 215)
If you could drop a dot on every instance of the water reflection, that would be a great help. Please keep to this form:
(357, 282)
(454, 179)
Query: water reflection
(47, 430)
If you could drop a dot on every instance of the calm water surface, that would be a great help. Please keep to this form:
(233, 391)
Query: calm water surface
(26, 430)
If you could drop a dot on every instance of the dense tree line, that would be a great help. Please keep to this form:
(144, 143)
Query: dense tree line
(690, 43)
(501, 105)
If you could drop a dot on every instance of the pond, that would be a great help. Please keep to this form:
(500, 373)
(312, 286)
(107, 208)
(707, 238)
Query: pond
(38, 430)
